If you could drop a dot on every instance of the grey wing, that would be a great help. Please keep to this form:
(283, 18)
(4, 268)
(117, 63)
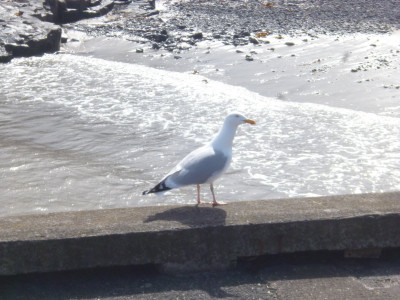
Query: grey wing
(199, 167)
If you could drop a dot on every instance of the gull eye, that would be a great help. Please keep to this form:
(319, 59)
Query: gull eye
(237, 116)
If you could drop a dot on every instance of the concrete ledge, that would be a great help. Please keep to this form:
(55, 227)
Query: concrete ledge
(197, 238)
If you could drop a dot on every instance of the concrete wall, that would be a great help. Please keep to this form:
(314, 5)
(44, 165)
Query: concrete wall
(197, 238)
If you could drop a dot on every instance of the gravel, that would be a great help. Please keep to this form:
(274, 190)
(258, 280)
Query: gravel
(180, 25)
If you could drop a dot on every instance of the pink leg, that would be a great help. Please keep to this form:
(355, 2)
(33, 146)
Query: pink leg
(198, 194)
(215, 203)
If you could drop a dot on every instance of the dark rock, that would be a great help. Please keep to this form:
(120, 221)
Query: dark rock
(78, 4)
(157, 37)
(67, 11)
(37, 45)
(24, 33)
(57, 7)
(98, 12)
(197, 36)
(4, 55)
(152, 3)
(152, 13)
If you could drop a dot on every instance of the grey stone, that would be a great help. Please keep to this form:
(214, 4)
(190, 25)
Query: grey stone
(253, 40)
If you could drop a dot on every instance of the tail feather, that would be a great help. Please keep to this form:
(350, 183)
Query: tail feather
(161, 187)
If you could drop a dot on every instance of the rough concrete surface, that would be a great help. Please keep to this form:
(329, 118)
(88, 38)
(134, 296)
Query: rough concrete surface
(197, 238)
(299, 276)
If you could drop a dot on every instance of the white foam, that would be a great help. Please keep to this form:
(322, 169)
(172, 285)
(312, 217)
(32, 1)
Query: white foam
(97, 133)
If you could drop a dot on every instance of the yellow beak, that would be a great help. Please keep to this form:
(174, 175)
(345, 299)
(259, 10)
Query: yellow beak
(250, 122)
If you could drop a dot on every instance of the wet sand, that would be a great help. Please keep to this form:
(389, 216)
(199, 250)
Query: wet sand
(354, 71)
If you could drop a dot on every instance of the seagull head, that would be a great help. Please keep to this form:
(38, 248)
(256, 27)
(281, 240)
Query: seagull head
(236, 119)
(223, 140)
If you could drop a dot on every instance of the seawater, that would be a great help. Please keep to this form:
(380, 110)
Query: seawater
(85, 133)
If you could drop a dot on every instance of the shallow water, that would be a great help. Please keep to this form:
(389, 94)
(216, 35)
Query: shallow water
(84, 133)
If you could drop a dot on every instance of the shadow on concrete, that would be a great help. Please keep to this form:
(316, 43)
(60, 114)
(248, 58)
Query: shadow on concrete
(120, 283)
(193, 216)
(145, 282)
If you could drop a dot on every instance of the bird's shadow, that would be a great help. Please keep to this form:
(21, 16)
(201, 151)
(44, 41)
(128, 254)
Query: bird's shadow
(192, 216)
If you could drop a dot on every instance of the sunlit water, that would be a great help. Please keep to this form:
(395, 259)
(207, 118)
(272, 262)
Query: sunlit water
(84, 133)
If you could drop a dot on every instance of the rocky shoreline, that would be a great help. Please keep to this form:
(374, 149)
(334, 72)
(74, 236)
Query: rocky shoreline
(33, 28)
(180, 25)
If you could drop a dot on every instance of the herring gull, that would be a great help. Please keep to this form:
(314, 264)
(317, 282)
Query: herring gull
(205, 164)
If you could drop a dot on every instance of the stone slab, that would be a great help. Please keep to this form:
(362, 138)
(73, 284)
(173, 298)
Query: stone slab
(197, 238)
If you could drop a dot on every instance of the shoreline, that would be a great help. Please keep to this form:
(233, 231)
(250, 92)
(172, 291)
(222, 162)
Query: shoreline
(354, 71)
(303, 61)
(31, 29)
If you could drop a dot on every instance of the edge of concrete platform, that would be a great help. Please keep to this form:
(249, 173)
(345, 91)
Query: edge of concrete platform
(197, 238)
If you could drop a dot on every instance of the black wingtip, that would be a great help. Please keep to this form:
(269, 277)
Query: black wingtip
(161, 187)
